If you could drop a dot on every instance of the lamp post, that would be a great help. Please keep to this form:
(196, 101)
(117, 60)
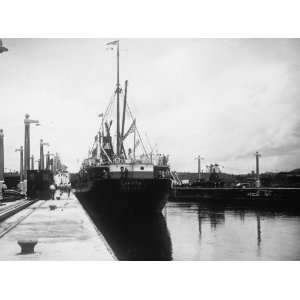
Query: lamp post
(1, 162)
(21, 162)
(56, 163)
(42, 162)
(48, 161)
(2, 49)
(51, 161)
(32, 162)
(38, 164)
(21, 167)
(27, 123)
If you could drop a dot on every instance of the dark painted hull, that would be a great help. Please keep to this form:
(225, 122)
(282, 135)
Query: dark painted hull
(143, 196)
(133, 237)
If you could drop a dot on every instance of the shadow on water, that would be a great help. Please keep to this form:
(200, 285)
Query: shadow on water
(133, 237)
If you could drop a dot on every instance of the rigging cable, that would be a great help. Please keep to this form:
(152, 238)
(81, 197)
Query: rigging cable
(145, 151)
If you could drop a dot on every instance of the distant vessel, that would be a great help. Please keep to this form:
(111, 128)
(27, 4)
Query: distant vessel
(113, 178)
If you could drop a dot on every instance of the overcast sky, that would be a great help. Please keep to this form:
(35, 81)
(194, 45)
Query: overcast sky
(221, 98)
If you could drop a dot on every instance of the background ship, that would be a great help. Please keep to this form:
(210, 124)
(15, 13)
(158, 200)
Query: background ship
(119, 179)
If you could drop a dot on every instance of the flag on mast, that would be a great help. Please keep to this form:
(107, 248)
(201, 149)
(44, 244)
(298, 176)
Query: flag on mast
(130, 130)
(112, 44)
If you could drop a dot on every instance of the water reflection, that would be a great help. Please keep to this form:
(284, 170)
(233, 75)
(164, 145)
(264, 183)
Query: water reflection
(242, 215)
(197, 231)
(200, 224)
(258, 234)
(216, 217)
(204, 232)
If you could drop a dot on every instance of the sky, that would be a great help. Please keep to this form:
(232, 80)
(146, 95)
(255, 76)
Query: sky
(223, 99)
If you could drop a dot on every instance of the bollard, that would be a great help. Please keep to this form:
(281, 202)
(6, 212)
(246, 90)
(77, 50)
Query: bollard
(27, 246)
(52, 207)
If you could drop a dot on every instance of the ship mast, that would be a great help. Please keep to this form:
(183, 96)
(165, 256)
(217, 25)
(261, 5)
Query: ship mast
(123, 119)
(118, 90)
(118, 100)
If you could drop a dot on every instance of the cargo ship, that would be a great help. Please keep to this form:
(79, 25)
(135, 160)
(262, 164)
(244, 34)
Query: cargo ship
(119, 174)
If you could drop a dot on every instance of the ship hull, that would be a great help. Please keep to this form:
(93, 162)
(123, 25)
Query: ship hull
(146, 196)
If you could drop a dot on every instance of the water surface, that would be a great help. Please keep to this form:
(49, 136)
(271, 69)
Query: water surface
(201, 233)
(194, 231)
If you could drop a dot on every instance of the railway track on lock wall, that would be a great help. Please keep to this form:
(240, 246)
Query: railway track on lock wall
(10, 210)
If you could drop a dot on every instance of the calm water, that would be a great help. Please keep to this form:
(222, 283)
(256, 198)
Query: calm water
(199, 233)
(191, 231)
